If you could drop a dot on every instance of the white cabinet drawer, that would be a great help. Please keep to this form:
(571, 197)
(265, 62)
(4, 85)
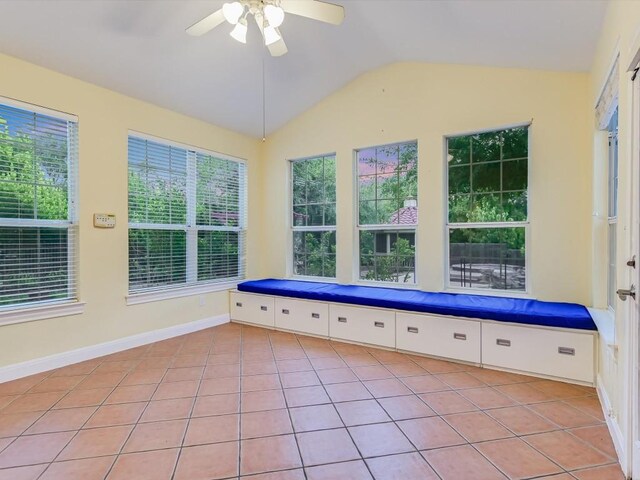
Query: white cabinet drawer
(537, 350)
(364, 325)
(302, 316)
(250, 308)
(443, 337)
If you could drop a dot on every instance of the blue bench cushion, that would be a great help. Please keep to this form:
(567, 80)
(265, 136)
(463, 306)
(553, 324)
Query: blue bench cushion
(515, 310)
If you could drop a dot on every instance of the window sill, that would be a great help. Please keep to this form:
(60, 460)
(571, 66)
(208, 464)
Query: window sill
(490, 293)
(304, 278)
(42, 312)
(605, 320)
(373, 283)
(159, 295)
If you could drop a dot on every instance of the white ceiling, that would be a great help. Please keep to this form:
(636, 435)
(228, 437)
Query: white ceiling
(139, 48)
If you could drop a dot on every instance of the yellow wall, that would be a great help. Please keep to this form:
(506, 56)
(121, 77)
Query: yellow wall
(104, 119)
(620, 35)
(426, 102)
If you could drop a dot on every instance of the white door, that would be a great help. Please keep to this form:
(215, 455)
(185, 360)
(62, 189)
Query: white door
(634, 279)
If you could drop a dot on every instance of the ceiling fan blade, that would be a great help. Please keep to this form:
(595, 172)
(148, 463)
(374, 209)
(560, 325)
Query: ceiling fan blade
(207, 24)
(278, 48)
(321, 11)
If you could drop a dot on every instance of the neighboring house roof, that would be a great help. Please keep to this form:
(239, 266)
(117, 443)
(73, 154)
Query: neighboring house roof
(404, 216)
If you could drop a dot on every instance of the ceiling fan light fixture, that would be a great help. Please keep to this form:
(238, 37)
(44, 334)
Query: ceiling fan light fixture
(271, 35)
(274, 15)
(232, 12)
(239, 32)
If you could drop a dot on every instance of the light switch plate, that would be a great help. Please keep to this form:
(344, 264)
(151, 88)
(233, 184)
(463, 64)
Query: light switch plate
(104, 220)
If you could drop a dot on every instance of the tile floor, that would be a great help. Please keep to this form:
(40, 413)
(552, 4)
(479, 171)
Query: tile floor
(236, 401)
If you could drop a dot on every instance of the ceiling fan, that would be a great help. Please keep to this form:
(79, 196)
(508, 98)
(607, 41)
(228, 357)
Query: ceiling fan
(269, 15)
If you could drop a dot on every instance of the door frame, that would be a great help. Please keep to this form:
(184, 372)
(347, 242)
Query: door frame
(633, 313)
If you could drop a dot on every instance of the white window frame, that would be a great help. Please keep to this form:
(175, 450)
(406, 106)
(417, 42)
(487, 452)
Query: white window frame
(318, 228)
(26, 312)
(192, 286)
(461, 225)
(612, 219)
(415, 285)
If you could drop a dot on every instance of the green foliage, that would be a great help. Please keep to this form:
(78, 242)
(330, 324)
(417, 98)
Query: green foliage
(314, 253)
(386, 180)
(488, 183)
(314, 191)
(397, 265)
(33, 185)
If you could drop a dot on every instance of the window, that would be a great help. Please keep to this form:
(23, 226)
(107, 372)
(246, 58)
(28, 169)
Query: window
(387, 212)
(488, 218)
(38, 158)
(186, 216)
(313, 186)
(612, 207)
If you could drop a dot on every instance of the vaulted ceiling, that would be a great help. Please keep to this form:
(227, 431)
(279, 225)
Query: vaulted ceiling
(140, 48)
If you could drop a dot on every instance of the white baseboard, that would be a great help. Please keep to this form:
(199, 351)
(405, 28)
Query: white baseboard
(43, 364)
(612, 424)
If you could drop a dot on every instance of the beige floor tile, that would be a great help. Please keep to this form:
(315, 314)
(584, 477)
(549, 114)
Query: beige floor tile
(269, 454)
(221, 428)
(315, 417)
(154, 465)
(208, 462)
(430, 432)
(156, 436)
(517, 459)
(326, 446)
(173, 409)
(96, 442)
(34, 449)
(567, 451)
(354, 470)
(84, 469)
(361, 412)
(403, 466)
(477, 426)
(380, 439)
(265, 424)
(30, 472)
(463, 462)
(406, 407)
(521, 420)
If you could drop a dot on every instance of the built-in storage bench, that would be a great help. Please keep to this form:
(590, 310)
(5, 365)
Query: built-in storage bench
(302, 316)
(439, 336)
(495, 332)
(249, 308)
(541, 350)
(373, 326)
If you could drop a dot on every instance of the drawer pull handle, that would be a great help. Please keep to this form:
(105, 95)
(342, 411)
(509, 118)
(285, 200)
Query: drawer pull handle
(566, 351)
(238, 304)
(315, 315)
(263, 308)
(503, 342)
(460, 336)
(285, 311)
(342, 319)
(412, 329)
(378, 324)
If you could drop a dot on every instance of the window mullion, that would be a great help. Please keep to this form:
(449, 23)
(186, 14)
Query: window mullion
(192, 233)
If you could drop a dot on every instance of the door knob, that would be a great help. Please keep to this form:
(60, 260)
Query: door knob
(623, 293)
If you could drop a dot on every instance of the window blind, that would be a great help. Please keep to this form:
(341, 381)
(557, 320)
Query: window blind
(38, 228)
(187, 216)
(608, 99)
